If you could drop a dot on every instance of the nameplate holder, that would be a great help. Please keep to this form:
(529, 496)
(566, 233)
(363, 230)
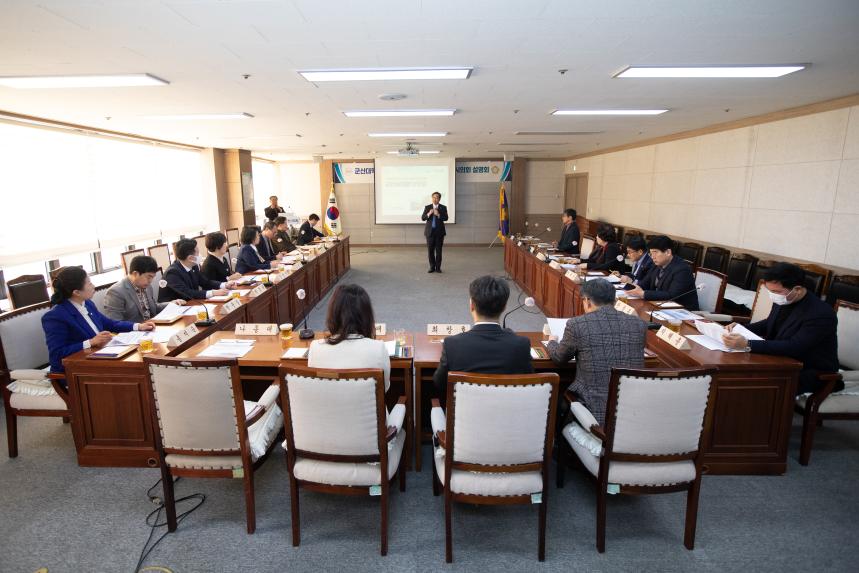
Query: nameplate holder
(257, 329)
(624, 308)
(555, 265)
(256, 291)
(232, 305)
(182, 336)
(519, 244)
(678, 341)
(447, 329)
(532, 248)
(541, 257)
(573, 276)
(381, 329)
(277, 278)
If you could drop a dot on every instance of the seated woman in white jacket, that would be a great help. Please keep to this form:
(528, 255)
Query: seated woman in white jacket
(351, 342)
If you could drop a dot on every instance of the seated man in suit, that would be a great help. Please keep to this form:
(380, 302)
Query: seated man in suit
(486, 347)
(184, 279)
(636, 251)
(266, 241)
(800, 326)
(671, 279)
(282, 242)
(599, 339)
(133, 298)
(570, 235)
(307, 233)
(217, 266)
(250, 259)
(607, 256)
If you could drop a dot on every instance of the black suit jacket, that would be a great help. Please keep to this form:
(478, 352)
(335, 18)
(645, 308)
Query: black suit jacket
(187, 285)
(216, 269)
(307, 233)
(485, 348)
(637, 274)
(570, 239)
(439, 221)
(271, 213)
(606, 258)
(282, 243)
(676, 278)
(266, 249)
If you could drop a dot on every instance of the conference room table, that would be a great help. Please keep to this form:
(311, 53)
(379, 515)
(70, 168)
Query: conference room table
(753, 407)
(111, 420)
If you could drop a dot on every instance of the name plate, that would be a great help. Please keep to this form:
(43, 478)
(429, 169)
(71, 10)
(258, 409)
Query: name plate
(519, 244)
(624, 308)
(256, 291)
(276, 278)
(532, 248)
(555, 265)
(447, 329)
(678, 341)
(573, 276)
(257, 329)
(381, 329)
(232, 305)
(182, 336)
(541, 257)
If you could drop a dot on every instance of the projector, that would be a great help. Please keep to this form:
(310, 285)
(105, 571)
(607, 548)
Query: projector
(408, 151)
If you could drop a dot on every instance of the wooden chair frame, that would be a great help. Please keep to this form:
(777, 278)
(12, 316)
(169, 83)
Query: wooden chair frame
(720, 297)
(126, 264)
(166, 249)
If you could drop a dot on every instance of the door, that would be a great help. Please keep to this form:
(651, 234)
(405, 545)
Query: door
(576, 193)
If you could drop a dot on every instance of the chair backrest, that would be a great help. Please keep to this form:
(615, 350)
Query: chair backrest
(128, 255)
(232, 236)
(761, 268)
(763, 304)
(843, 287)
(587, 246)
(629, 233)
(848, 334)
(26, 290)
(161, 254)
(691, 252)
(816, 278)
(657, 412)
(100, 295)
(716, 259)
(333, 413)
(711, 296)
(496, 419)
(198, 405)
(740, 269)
(234, 254)
(22, 340)
(201, 245)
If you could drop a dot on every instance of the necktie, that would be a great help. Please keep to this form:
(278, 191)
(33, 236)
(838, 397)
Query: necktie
(144, 306)
(433, 220)
(659, 276)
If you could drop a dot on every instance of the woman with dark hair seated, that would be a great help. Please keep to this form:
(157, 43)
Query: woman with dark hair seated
(352, 328)
(217, 266)
(249, 259)
(608, 255)
(74, 323)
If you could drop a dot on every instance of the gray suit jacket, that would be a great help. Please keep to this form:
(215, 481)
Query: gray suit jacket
(599, 341)
(121, 303)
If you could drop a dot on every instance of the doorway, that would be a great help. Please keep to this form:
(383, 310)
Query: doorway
(576, 193)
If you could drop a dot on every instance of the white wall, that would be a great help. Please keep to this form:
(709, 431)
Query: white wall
(788, 187)
(299, 188)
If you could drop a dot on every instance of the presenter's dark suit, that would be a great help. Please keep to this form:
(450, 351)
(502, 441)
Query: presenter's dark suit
(216, 269)
(66, 329)
(485, 348)
(670, 281)
(607, 258)
(570, 238)
(187, 285)
(434, 232)
(806, 330)
(272, 213)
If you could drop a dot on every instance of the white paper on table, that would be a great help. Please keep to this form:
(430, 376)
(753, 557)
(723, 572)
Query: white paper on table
(569, 266)
(132, 338)
(595, 274)
(709, 343)
(557, 326)
(295, 353)
(745, 332)
(391, 345)
(228, 348)
(162, 335)
(170, 311)
(220, 298)
(676, 314)
(711, 336)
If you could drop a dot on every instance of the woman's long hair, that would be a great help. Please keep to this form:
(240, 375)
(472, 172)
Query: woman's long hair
(67, 281)
(350, 312)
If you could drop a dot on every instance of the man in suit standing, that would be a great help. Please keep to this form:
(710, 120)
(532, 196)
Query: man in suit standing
(307, 233)
(435, 214)
(600, 339)
(570, 235)
(636, 251)
(184, 279)
(672, 278)
(486, 347)
(133, 298)
(800, 326)
(273, 211)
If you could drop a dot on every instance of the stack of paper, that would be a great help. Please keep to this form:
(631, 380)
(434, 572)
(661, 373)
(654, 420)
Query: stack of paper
(676, 314)
(711, 335)
(557, 326)
(300, 352)
(391, 345)
(170, 312)
(229, 348)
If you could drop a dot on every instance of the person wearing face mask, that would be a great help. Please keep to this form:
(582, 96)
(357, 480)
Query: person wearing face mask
(184, 279)
(799, 326)
(74, 323)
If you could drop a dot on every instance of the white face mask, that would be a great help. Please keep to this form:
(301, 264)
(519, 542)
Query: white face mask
(779, 299)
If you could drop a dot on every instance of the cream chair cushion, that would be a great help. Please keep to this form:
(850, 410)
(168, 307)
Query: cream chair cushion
(29, 402)
(262, 433)
(489, 484)
(350, 474)
(573, 432)
(846, 402)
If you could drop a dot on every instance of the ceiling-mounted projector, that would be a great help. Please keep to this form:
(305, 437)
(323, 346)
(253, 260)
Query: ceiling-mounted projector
(408, 151)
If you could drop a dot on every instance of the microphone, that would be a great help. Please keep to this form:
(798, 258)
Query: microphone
(529, 302)
(305, 332)
(654, 326)
(547, 230)
(209, 321)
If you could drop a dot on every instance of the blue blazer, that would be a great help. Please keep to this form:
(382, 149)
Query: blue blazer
(66, 330)
(248, 261)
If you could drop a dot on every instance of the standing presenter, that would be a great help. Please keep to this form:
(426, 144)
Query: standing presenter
(435, 214)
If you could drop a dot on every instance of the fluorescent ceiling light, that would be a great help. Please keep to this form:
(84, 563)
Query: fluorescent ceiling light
(95, 81)
(371, 74)
(200, 116)
(709, 71)
(422, 152)
(410, 134)
(555, 132)
(400, 113)
(608, 111)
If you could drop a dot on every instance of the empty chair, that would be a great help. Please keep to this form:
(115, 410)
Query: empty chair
(741, 267)
(340, 438)
(716, 259)
(205, 428)
(494, 443)
(232, 236)
(588, 243)
(651, 442)
(691, 252)
(629, 233)
(816, 278)
(843, 287)
(761, 308)
(161, 254)
(825, 404)
(26, 290)
(711, 296)
(128, 255)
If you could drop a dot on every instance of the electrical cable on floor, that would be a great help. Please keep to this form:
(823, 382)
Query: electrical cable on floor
(144, 553)
(351, 253)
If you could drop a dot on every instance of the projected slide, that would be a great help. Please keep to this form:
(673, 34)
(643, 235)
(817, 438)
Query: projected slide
(403, 186)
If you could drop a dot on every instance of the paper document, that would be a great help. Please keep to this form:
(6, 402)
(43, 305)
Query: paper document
(295, 353)
(109, 351)
(229, 348)
(127, 338)
(557, 326)
(711, 335)
(569, 267)
(191, 310)
(170, 311)
(675, 314)
(391, 345)
(745, 332)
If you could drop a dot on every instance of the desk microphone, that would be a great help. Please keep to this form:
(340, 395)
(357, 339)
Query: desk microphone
(547, 230)
(305, 333)
(208, 321)
(654, 326)
(529, 302)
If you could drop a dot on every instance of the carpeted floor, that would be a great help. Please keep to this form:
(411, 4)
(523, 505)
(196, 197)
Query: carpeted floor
(67, 518)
